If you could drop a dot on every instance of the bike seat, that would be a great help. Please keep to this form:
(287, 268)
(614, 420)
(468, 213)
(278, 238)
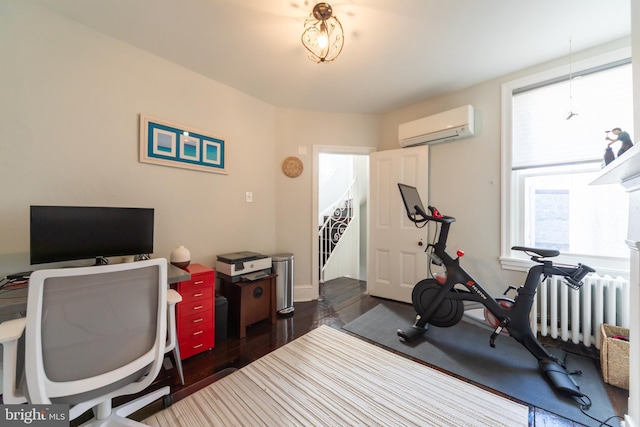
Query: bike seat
(545, 253)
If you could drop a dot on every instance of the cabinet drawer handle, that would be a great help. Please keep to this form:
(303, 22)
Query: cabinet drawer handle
(197, 333)
(198, 295)
(197, 346)
(199, 282)
(198, 307)
(198, 320)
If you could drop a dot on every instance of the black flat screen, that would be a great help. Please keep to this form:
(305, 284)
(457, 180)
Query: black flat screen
(412, 201)
(64, 233)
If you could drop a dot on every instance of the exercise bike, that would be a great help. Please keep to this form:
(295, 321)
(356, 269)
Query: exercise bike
(439, 301)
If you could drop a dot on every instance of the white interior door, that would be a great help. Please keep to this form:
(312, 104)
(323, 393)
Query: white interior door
(396, 260)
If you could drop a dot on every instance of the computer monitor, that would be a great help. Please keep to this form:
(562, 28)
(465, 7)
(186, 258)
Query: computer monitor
(66, 233)
(412, 201)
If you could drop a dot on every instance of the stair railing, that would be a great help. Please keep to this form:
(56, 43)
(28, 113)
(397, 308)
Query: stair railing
(335, 225)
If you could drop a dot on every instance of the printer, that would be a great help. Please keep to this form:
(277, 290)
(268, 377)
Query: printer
(244, 265)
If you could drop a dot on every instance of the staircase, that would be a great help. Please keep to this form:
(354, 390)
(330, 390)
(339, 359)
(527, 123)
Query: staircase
(333, 229)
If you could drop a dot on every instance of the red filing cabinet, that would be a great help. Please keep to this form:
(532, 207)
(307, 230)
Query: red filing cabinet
(196, 312)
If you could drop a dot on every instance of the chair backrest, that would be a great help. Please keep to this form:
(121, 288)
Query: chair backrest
(93, 332)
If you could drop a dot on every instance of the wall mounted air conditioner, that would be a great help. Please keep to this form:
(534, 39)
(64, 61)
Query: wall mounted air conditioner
(445, 126)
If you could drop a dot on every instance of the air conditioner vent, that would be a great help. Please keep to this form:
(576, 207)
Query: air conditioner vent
(449, 125)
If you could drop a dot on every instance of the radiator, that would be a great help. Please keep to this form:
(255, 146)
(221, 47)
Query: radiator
(561, 312)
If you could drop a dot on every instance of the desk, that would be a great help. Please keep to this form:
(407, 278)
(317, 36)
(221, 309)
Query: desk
(15, 301)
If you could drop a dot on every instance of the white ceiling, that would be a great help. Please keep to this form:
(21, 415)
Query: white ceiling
(396, 52)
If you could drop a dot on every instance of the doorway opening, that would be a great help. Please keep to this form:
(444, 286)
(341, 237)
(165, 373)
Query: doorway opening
(340, 212)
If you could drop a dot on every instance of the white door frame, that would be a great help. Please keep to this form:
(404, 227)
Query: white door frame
(317, 150)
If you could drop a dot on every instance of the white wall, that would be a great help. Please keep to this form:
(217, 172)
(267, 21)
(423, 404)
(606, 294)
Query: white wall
(296, 133)
(464, 175)
(633, 417)
(336, 174)
(635, 52)
(70, 100)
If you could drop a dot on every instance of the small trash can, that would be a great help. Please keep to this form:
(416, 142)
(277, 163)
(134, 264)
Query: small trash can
(282, 265)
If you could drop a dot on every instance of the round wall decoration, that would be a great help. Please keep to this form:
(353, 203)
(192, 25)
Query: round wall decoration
(292, 167)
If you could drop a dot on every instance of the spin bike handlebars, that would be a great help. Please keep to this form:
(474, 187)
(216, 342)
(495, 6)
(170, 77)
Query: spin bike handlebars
(435, 216)
(573, 278)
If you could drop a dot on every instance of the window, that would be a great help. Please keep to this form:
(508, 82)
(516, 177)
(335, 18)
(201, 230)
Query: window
(553, 147)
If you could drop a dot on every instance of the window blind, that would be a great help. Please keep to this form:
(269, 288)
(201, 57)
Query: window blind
(542, 134)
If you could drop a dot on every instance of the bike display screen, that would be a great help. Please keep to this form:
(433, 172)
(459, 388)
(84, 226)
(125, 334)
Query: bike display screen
(412, 201)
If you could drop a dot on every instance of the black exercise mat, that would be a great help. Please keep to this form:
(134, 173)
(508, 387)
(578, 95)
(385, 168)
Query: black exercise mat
(464, 350)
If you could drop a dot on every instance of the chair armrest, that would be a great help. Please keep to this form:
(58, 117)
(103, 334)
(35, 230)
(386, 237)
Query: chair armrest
(10, 332)
(173, 297)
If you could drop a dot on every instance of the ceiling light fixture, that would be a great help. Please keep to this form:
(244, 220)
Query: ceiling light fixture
(323, 36)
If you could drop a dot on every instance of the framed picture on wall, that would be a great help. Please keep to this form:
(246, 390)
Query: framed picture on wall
(170, 144)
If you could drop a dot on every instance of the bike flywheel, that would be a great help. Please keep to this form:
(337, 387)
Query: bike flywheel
(448, 313)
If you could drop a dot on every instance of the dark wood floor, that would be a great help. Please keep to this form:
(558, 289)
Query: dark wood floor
(340, 302)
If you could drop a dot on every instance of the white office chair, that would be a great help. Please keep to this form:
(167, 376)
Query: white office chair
(91, 334)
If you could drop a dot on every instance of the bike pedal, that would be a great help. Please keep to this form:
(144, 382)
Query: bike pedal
(492, 340)
(412, 333)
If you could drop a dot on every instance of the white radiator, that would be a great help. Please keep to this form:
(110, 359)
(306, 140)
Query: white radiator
(561, 312)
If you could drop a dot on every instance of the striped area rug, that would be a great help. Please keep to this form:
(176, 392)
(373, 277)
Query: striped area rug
(330, 378)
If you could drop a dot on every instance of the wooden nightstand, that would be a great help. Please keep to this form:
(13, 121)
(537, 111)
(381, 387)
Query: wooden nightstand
(249, 302)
